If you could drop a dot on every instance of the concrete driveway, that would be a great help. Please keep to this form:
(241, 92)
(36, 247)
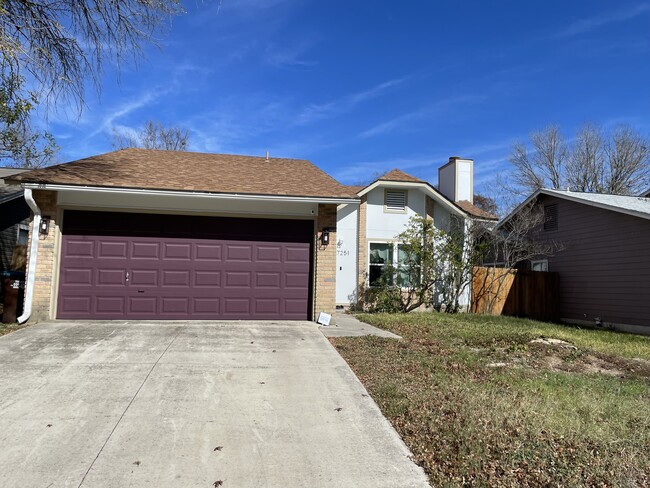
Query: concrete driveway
(207, 404)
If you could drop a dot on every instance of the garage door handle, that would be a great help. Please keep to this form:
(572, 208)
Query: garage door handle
(127, 276)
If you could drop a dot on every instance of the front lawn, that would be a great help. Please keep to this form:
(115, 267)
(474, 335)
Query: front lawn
(479, 403)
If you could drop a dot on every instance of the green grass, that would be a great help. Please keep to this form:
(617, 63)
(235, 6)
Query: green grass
(551, 416)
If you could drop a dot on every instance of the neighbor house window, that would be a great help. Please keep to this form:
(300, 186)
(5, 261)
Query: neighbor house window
(22, 236)
(541, 265)
(395, 200)
(550, 217)
(388, 254)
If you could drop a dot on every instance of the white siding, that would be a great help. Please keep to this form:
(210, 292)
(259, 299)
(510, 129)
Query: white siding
(447, 181)
(386, 225)
(346, 253)
(464, 183)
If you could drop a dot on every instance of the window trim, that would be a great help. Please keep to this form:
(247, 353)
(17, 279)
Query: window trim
(404, 191)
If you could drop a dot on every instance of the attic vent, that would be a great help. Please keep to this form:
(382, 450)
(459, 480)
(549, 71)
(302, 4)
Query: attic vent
(550, 217)
(395, 200)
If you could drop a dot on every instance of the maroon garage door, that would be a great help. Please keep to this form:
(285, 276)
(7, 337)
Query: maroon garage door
(136, 266)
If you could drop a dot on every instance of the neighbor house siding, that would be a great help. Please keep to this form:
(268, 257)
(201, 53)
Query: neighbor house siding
(604, 266)
(12, 213)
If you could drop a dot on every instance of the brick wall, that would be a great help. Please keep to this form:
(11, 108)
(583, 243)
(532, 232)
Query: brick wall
(46, 260)
(363, 243)
(325, 262)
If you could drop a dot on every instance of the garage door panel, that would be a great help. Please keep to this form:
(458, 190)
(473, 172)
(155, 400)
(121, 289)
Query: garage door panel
(145, 250)
(111, 277)
(236, 306)
(181, 251)
(175, 305)
(76, 248)
(76, 305)
(176, 279)
(110, 305)
(208, 252)
(142, 305)
(207, 279)
(269, 280)
(237, 279)
(112, 249)
(294, 254)
(78, 277)
(239, 253)
(176, 275)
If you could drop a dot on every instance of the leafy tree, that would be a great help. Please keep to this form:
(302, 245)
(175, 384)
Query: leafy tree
(50, 49)
(616, 163)
(435, 268)
(154, 135)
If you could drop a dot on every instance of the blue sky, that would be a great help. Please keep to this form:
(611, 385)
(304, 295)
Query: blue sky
(361, 87)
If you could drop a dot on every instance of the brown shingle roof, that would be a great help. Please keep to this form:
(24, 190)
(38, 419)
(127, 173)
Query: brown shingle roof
(399, 175)
(188, 171)
(474, 211)
(355, 188)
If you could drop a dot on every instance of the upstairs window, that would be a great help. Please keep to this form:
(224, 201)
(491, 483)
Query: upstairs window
(395, 201)
(550, 217)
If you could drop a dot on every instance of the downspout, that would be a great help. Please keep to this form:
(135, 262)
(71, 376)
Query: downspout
(33, 254)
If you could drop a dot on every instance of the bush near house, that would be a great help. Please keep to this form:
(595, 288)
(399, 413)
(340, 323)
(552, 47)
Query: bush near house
(498, 401)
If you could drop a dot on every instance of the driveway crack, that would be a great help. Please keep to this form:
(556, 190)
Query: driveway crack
(128, 406)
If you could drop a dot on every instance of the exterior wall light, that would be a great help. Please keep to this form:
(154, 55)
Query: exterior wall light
(325, 236)
(44, 226)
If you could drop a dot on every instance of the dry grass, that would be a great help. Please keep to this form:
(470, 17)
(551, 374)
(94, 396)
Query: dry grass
(7, 328)
(480, 405)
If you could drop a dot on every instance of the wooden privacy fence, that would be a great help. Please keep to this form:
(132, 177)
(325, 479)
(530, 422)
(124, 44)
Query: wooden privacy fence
(531, 294)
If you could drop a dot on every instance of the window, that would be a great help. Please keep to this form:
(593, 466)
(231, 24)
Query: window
(381, 256)
(395, 201)
(550, 217)
(404, 265)
(23, 235)
(541, 265)
(388, 255)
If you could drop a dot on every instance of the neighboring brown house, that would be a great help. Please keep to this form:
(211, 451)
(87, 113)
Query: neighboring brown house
(14, 218)
(146, 234)
(604, 266)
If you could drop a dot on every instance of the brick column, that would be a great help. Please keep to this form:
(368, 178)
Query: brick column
(325, 262)
(362, 255)
(46, 259)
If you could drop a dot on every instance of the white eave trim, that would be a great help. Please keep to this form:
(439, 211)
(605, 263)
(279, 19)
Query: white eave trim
(192, 194)
(425, 187)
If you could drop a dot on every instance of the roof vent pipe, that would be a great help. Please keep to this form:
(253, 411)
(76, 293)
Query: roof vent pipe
(33, 254)
(267, 155)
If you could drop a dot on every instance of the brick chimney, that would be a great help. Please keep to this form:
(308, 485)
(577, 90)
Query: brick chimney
(456, 179)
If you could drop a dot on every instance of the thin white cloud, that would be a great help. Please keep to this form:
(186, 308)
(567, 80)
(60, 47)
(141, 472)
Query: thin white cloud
(314, 112)
(406, 120)
(590, 23)
(288, 58)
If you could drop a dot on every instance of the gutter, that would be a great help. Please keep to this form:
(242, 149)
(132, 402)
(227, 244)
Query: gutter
(193, 194)
(33, 255)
